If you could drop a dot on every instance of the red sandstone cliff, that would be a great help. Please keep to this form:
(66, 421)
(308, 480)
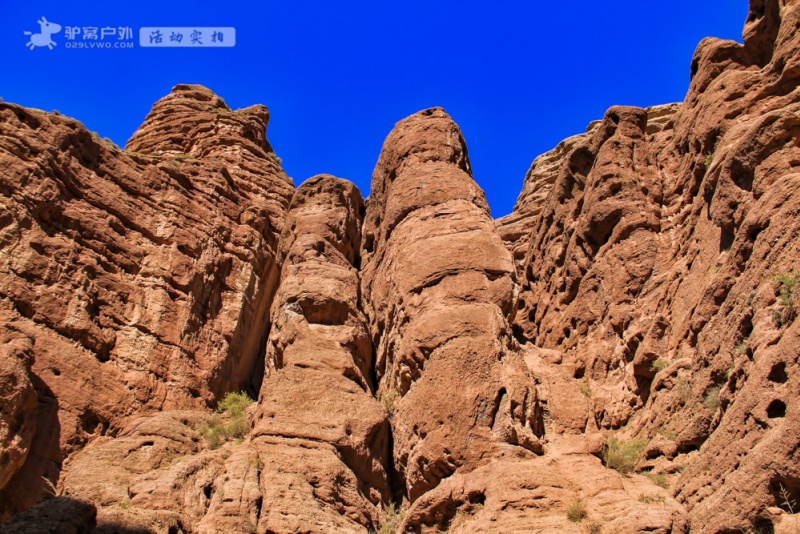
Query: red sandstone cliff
(409, 351)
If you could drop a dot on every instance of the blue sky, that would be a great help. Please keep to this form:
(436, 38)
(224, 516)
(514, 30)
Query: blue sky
(517, 76)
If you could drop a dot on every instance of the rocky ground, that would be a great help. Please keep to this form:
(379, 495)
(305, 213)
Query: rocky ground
(619, 354)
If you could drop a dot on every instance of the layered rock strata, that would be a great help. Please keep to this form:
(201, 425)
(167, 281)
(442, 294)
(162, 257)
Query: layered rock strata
(134, 280)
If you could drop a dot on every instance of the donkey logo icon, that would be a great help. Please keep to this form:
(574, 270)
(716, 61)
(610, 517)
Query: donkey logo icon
(43, 38)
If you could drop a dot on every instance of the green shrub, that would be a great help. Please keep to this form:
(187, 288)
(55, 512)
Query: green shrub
(709, 161)
(576, 511)
(586, 389)
(711, 399)
(237, 428)
(788, 296)
(387, 399)
(230, 423)
(234, 404)
(659, 365)
(391, 520)
(786, 284)
(213, 431)
(622, 455)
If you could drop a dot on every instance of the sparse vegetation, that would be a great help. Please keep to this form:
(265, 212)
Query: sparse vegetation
(669, 433)
(659, 479)
(586, 389)
(659, 365)
(56, 112)
(258, 464)
(741, 347)
(105, 141)
(650, 498)
(108, 142)
(576, 512)
(387, 399)
(778, 318)
(235, 404)
(591, 527)
(391, 520)
(788, 502)
(622, 455)
(277, 158)
(230, 423)
(709, 160)
(124, 504)
(787, 282)
(50, 486)
(684, 390)
(729, 370)
(788, 297)
(711, 399)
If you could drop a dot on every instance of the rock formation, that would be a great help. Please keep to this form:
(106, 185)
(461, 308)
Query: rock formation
(661, 264)
(133, 280)
(619, 354)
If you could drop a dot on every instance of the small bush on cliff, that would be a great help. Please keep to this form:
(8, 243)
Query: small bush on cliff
(234, 404)
(659, 365)
(576, 511)
(387, 398)
(622, 455)
(391, 520)
(711, 400)
(788, 297)
(684, 390)
(231, 423)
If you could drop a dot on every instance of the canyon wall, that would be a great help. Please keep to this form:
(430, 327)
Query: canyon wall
(416, 365)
